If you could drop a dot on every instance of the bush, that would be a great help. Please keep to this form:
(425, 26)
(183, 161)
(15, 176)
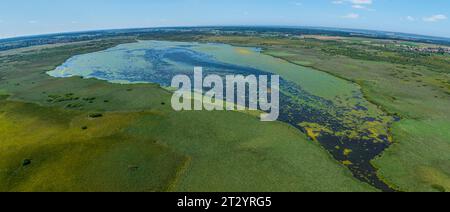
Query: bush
(26, 162)
(95, 115)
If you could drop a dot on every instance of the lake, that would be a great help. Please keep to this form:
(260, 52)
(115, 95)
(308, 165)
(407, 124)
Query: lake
(330, 110)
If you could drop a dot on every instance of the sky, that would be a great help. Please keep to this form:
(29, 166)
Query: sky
(31, 17)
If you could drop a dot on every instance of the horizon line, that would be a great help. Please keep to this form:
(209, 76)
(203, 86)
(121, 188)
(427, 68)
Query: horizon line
(205, 26)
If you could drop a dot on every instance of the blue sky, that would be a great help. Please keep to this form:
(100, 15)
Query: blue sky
(29, 17)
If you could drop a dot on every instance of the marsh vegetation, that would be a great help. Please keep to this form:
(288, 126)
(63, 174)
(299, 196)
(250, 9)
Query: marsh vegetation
(377, 95)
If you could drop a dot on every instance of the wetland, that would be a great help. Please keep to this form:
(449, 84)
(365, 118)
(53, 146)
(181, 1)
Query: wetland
(330, 110)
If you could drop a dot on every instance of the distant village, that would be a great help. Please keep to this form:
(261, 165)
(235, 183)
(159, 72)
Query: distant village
(440, 50)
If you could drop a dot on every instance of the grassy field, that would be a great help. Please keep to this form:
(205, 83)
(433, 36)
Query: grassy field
(412, 86)
(76, 134)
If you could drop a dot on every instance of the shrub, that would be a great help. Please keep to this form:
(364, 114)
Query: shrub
(95, 115)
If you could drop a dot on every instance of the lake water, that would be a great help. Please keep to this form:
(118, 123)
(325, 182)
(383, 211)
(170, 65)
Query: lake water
(330, 110)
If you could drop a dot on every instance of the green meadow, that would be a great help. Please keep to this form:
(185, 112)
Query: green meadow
(415, 87)
(75, 134)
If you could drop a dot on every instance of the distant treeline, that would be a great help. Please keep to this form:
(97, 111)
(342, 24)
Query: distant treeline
(185, 32)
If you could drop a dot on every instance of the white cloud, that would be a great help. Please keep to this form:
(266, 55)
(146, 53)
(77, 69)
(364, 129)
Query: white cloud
(353, 2)
(435, 18)
(361, 1)
(410, 18)
(356, 4)
(33, 22)
(351, 16)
